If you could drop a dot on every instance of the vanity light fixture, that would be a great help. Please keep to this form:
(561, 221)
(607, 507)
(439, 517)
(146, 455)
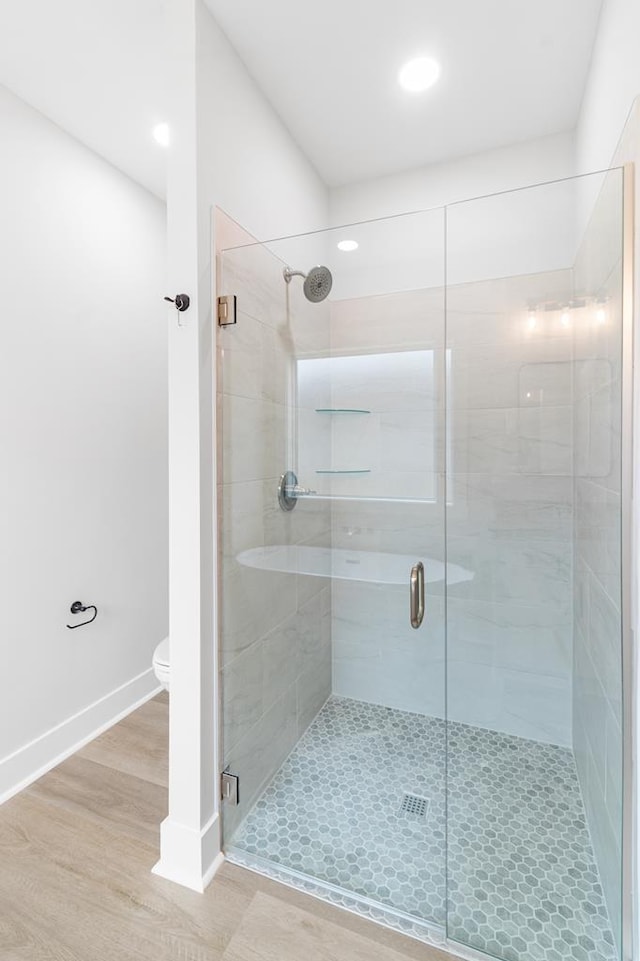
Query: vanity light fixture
(577, 312)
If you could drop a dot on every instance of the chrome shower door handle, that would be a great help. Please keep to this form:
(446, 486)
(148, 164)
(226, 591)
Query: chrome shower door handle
(416, 589)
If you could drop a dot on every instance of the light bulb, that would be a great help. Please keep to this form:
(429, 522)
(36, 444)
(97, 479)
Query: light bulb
(347, 245)
(419, 74)
(161, 134)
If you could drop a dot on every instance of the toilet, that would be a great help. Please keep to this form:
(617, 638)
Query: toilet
(161, 664)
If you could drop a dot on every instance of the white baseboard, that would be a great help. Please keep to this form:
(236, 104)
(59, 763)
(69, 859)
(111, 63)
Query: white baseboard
(190, 858)
(30, 762)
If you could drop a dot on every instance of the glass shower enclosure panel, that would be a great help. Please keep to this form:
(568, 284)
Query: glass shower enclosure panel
(534, 737)
(332, 591)
(420, 580)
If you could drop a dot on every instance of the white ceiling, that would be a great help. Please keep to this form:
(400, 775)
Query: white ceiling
(511, 70)
(94, 67)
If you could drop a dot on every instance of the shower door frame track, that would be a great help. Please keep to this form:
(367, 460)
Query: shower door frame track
(425, 932)
(629, 570)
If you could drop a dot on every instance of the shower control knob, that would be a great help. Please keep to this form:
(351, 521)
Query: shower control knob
(181, 302)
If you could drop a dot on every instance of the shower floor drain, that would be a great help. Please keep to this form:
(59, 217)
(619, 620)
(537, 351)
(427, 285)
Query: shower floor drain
(414, 806)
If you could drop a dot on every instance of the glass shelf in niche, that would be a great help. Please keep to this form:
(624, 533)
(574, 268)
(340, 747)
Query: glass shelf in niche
(365, 470)
(341, 410)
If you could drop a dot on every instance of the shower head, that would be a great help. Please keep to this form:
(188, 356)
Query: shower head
(317, 283)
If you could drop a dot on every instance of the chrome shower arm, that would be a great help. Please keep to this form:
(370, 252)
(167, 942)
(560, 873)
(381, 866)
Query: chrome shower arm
(288, 273)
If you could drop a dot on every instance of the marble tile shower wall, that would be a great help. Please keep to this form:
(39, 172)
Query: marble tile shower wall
(275, 627)
(509, 516)
(397, 508)
(597, 650)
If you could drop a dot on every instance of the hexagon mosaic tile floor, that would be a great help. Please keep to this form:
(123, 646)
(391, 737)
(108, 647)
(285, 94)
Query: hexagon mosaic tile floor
(360, 804)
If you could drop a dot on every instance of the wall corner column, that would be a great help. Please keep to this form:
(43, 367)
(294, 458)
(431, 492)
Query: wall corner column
(190, 835)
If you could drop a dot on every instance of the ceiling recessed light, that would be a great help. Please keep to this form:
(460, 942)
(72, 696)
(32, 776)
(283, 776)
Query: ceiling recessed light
(347, 245)
(419, 74)
(161, 134)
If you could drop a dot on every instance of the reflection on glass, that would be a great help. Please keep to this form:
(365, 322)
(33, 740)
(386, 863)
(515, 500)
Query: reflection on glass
(398, 390)
(534, 640)
(483, 440)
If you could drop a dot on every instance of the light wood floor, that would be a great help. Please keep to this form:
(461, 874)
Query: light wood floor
(76, 851)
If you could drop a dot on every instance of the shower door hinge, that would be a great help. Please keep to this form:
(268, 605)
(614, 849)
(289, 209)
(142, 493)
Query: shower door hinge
(230, 788)
(227, 310)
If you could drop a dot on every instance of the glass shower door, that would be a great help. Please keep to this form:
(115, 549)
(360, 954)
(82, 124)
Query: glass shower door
(462, 776)
(534, 751)
(332, 492)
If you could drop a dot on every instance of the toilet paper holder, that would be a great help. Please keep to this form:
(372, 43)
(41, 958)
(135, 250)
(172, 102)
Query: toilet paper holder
(76, 608)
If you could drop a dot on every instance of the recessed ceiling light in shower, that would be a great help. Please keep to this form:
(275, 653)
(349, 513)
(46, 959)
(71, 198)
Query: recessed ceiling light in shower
(161, 134)
(419, 74)
(347, 245)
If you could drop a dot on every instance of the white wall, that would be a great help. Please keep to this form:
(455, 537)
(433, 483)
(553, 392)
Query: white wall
(497, 237)
(96, 69)
(536, 161)
(83, 438)
(230, 151)
(251, 167)
(612, 85)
